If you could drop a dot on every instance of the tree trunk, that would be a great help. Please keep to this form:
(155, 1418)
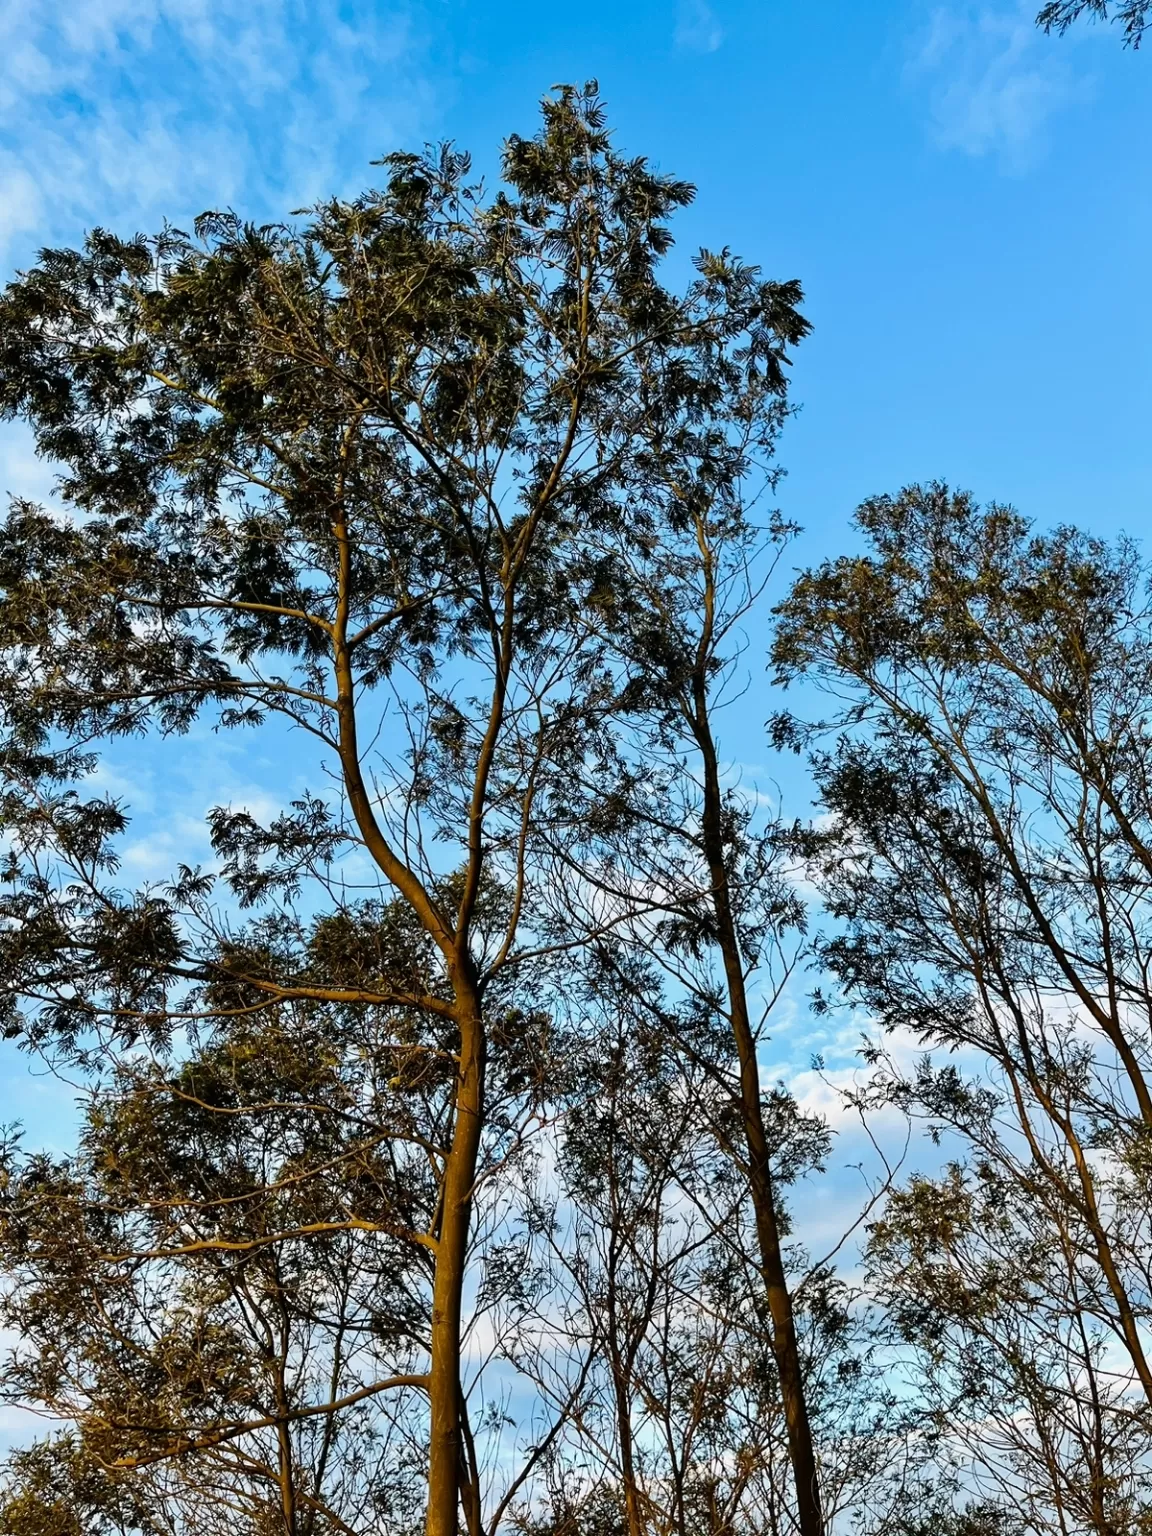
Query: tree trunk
(445, 1443)
(784, 1343)
(621, 1383)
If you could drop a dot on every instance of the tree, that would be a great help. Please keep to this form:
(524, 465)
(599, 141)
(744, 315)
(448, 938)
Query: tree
(654, 1339)
(343, 477)
(190, 1299)
(1132, 15)
(726, 927)
(1007, 1353)
(990, 867)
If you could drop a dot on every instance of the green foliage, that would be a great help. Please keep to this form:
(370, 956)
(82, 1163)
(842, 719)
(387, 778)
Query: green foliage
(1132, 15)
(987, 858)
(374, 479)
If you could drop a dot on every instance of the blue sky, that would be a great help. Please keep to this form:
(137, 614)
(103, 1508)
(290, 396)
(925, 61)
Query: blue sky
(967, 202)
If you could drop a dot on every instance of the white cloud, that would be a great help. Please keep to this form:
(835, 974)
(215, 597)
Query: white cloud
(994, 80)
(697, 27)
(21, 205)
(125, 112)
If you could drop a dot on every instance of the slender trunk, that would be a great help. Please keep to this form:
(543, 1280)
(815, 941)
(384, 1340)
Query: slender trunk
(1086, 1206)
(470, 1475)
(784, 1342)
(621, 1379)
(286, 1468)
(287, 1479)
(620, 1361)
(446, 1443)
(635, 1522)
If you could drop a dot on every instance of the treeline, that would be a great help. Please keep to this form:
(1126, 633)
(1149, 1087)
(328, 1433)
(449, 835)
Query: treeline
(428, 1173)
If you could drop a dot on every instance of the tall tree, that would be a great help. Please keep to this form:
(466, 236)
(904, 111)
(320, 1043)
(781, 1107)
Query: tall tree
(343, 476)
(674, 593)
(989, 861)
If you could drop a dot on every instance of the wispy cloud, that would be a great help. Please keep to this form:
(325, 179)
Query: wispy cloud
(697, 28)
(125, 111)
(994, 81)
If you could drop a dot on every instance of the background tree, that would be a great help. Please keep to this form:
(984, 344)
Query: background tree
(220, 1293)
(192, 1299)
(1006, 1352)
(655, 1325)
(725, 927)
(989, 863)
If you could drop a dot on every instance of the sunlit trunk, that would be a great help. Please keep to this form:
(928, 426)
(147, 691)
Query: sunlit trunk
(446, 1444)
